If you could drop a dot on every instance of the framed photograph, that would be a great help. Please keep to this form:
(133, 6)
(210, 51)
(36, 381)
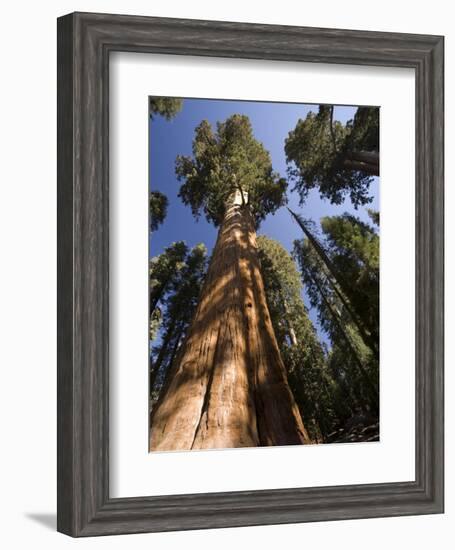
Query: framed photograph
(250, 274)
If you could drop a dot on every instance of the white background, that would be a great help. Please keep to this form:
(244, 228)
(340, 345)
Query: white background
(28, 274)
(133, 471)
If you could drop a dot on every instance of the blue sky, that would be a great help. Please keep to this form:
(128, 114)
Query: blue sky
(271, 123)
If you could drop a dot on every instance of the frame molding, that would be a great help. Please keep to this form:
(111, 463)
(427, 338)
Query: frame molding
(84, 43)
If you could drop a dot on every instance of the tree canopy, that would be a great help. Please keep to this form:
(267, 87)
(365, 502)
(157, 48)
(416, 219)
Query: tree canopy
(177, 309)
(166, 107)
(158, 204)
(163, 269)
(362, 132)
(344, 279)
(228, 160)
(282, 284)
(337, 159)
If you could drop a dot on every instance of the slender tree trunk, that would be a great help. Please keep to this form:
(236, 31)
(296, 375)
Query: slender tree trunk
(229, 387)
(292, 335)
(370, 340)
(291, 331)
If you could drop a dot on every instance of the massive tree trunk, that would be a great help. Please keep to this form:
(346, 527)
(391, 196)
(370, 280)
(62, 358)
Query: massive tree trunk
(228, 387)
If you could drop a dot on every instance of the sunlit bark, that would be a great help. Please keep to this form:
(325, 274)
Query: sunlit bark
(228, 386)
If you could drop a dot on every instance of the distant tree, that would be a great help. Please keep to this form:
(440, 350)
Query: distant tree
(167, 107)
(337, 159)
(282, 287)
(361, 146)
(374, 216)
(229, 387)
(349, 396)
(158, 203)
(349, 241)
(163, 270)
(310, 380)
(155, 323)
(360, 368)
(178, 309)
(353, 247)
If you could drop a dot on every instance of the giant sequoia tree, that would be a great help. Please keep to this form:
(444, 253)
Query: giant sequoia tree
(229, 386)
(337, 159)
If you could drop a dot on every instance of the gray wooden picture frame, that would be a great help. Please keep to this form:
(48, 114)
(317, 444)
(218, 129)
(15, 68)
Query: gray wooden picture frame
(85, 41)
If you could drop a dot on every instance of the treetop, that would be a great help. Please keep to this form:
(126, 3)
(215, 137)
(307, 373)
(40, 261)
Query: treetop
(224, 161)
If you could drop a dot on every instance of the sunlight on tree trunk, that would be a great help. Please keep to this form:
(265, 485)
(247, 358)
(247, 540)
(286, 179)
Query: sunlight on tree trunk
(229, 386)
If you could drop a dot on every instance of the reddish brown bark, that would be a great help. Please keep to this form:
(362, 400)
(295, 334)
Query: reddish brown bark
(229, 387)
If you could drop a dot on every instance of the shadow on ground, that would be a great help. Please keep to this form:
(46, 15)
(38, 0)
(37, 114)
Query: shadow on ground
(47, 520)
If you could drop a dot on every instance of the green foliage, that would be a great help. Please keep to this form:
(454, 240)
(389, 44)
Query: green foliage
(167, 107)
(317, 151)
(155, 323)
(178, 307)
(282, 285)
(224, 161)
(163, 270)
(158, 203)
(356, 393)
(374, 216)
(340, 284)
(314, 389)
(301, 350)
(363, 131)
(353, 248)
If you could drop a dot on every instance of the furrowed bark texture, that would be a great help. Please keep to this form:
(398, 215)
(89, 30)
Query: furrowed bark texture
(229, 386)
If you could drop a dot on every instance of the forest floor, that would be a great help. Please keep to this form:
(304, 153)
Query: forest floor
(359, 428)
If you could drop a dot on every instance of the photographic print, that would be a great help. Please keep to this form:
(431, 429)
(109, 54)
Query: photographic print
(263, 274)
